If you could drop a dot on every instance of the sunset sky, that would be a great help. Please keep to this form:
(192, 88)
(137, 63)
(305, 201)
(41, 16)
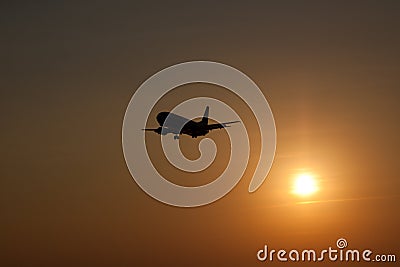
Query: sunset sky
(330, 71)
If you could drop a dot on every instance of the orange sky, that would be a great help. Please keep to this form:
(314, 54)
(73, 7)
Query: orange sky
(330, 72)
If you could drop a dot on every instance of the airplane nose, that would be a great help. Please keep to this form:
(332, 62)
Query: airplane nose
(161, 117)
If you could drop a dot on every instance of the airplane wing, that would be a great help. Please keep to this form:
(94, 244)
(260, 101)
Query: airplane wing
(156, 130)
(161, 130)
(220, 125)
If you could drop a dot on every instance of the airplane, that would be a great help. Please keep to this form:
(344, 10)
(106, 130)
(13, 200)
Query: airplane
(179, 125)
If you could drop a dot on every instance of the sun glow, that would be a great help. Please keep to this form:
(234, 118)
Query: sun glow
(304, 184)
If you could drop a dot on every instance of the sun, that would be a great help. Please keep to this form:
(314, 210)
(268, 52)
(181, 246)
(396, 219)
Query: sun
(304, 184)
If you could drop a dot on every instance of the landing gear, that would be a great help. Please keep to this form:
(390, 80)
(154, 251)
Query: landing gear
(176, 137)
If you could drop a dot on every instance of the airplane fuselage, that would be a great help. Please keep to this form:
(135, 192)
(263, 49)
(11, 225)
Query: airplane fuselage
(179, 125)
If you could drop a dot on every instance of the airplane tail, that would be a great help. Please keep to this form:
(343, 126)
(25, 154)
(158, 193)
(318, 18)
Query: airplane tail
(204, 120)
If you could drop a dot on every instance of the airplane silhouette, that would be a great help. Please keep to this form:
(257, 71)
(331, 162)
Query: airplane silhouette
(178, 125)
